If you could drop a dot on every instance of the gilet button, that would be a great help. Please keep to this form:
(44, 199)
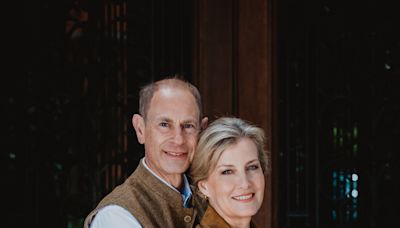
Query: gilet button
(187, 218)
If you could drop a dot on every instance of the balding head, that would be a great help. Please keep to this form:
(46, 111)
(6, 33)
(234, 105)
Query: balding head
(148, 91)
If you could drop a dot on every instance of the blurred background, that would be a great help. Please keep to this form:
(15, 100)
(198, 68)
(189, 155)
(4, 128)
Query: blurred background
(321, 77)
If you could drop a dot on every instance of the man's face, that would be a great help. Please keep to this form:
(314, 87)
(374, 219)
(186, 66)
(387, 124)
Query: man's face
(170, 132)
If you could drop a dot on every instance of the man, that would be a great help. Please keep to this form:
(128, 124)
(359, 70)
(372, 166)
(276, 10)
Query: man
(157, 194)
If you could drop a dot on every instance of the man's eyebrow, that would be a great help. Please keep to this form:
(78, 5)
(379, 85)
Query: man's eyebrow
(169, 120)
(193, 121)
(162, 118)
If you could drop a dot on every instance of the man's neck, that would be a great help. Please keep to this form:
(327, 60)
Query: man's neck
(175, 181)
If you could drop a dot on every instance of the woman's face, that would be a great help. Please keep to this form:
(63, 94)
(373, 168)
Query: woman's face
(235, 187)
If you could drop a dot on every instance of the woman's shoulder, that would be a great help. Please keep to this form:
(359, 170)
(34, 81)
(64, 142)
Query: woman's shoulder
(212, 219)
(253, 225)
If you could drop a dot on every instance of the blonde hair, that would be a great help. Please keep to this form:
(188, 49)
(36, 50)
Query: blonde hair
(216, 138)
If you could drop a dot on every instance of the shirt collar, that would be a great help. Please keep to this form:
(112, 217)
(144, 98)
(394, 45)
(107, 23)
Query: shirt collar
(186, 191)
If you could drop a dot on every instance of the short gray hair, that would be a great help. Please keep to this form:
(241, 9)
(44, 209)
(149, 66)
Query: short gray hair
(147, 92)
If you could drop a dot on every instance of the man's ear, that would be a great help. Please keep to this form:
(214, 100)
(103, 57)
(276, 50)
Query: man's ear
(202, 185)
(204, 123)
(138, 124)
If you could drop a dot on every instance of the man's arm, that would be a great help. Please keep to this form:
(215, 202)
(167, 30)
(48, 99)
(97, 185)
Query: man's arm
(114, 216)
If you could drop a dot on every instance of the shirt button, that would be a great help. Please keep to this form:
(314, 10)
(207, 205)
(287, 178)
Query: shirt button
(187, 218)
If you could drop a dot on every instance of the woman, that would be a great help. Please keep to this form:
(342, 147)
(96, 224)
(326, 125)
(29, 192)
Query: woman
(228, 170)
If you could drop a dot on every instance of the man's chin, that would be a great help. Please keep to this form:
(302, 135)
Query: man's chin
(177, 167)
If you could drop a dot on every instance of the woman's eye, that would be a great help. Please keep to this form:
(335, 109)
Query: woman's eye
(164, 124)
(253, 167)
(226, 172)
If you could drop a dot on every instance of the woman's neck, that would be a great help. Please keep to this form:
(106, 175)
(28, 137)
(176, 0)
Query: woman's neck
(235, 221)
(239, 223)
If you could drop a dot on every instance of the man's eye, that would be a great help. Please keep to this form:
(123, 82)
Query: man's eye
(226, 172)
(187, 125)
(164, 124)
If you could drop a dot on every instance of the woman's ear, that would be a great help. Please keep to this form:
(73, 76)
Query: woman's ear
(138, 124)
(203, 188)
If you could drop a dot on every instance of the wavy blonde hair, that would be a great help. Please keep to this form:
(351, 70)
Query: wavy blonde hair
(216, 138)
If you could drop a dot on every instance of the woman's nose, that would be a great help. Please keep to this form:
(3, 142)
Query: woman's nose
(244, 181)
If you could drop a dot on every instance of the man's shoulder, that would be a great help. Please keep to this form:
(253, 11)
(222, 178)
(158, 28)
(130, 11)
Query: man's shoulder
(122, 192)
(123, 196)
(114, 216)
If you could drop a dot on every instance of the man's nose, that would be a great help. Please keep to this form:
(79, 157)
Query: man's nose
(178, 136)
